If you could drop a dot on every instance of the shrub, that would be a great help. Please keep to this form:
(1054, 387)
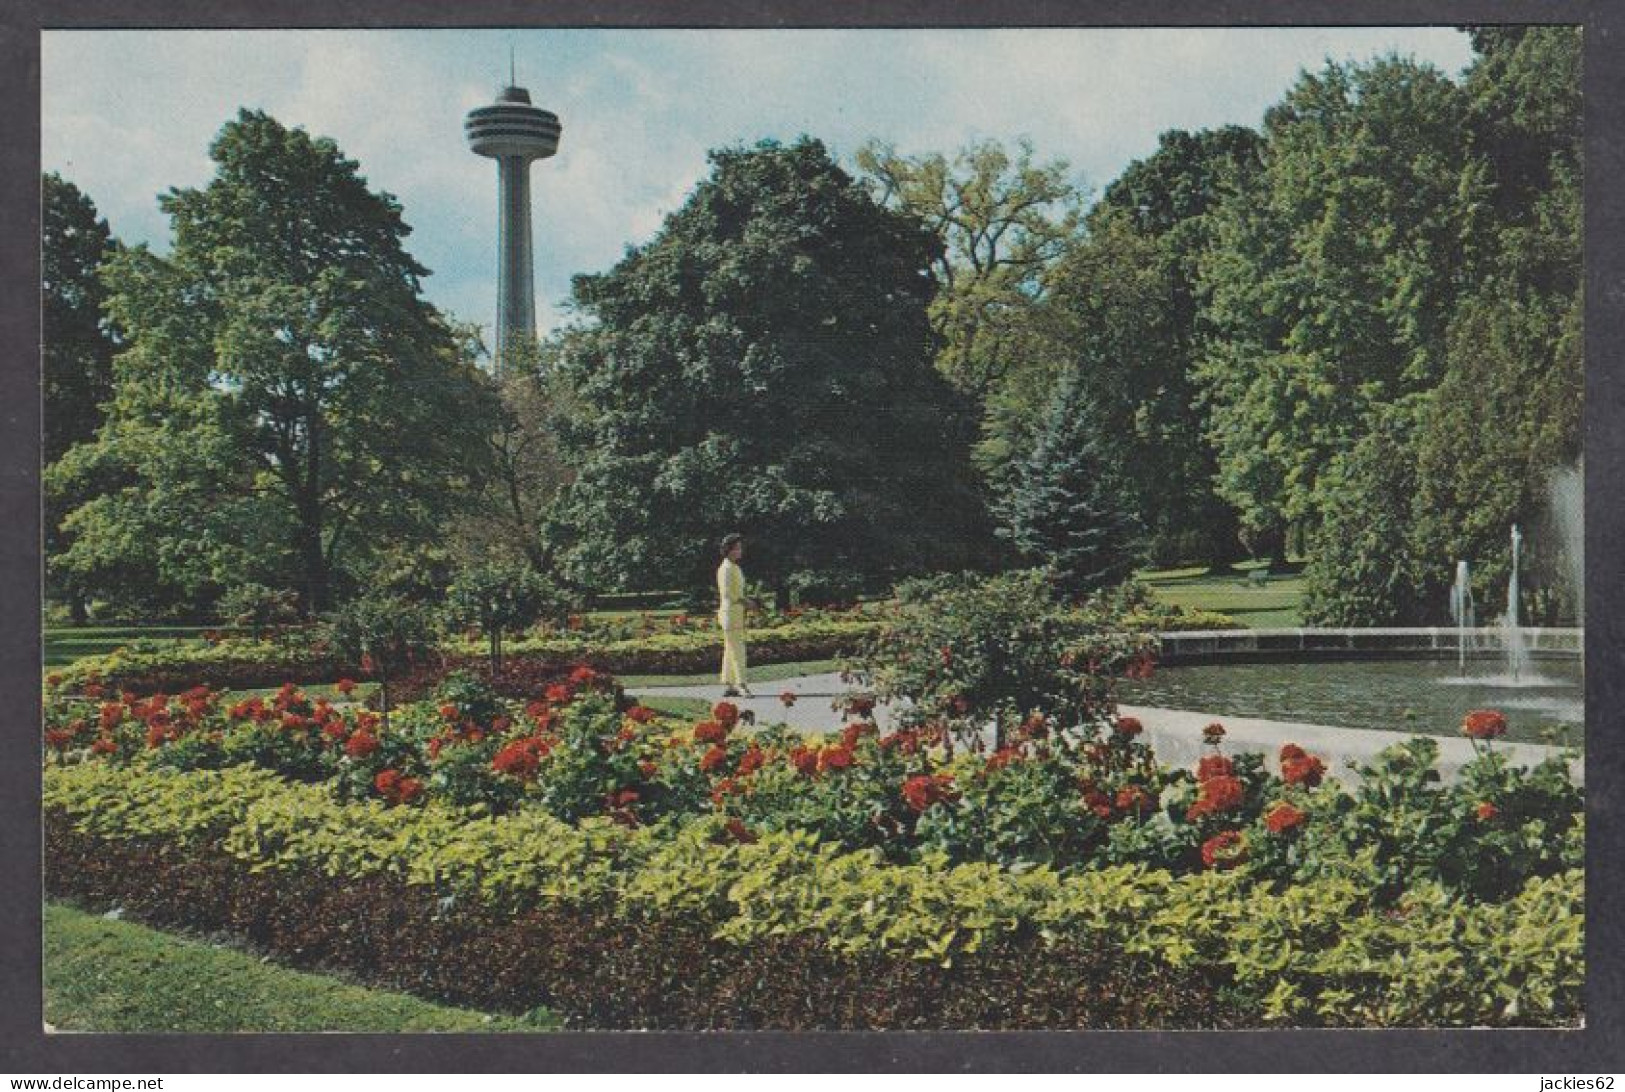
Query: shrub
(500, 598)
(386, 634)
(968, 652)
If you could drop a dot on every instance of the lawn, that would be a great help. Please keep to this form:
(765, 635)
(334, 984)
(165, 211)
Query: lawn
(1271, 603)
(759, 676)
(115, 976)
(65, 644)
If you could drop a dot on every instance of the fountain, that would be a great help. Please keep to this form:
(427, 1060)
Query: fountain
(1565, 498)
(1517, 652)
(1462, 612)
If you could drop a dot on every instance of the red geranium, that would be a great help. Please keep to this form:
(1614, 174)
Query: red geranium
(345, 686)
(854, 732)
(1212, 766)
(753, 759)
(362, 744)
(1129, 726)
(860, 705)
(449, 712)
(582, 675)
(788, 698)
(648, 769)
(1284, 817)
(522, 758)
(1217, 794)
(1003, 757)
(559, 694)
(1133, 798)
(1213, 732)
(725, 713)
(713, 758)
(1225, 850)
(103, 746)
(805, 760)
(1299, 767)
(1098, 803)
(922, 791)
(1484, 724)
(834, 758)
(709, 731)
(1486, 811)
(641, 714)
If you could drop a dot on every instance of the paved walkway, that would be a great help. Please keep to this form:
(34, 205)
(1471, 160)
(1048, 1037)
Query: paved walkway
(1175, 734)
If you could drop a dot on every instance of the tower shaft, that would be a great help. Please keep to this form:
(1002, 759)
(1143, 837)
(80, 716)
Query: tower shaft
(516, 291)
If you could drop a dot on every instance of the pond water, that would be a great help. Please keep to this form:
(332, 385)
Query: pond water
(1428, 696)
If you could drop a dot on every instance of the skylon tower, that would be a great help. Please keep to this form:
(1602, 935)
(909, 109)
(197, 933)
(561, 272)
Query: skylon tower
(514, 133)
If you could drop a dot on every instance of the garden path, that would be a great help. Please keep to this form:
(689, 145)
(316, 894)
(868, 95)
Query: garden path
(1175, 734)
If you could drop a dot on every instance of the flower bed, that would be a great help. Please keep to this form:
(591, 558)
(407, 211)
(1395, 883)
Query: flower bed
(701, 855)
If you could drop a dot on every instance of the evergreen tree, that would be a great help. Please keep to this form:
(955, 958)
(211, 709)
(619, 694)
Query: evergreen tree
(1069, 509)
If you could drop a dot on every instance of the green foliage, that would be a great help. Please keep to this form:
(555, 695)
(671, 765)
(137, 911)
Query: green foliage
(286, 400)
(256, 608)
(500, 597)
(1069, 504)
(385, 634)
(966, 652)
(1321, 952)
(1004, 221)
(751, 368)
(1331, 280)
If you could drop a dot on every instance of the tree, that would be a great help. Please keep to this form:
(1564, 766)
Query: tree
(385, 634)
(77, 341)
(765, 365)
(285, 385)
(1003, 221)
(500, 597)
(1070, 509)
(1332, 276)
(77, 347)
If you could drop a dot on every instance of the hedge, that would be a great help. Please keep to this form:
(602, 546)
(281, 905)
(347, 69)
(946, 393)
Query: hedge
(676, 927)
(240, 664)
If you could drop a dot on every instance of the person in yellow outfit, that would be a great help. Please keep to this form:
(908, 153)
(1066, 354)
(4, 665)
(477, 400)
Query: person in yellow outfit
(731, 616)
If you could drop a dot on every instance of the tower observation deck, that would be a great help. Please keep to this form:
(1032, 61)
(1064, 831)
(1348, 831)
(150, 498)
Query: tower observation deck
(514, 133)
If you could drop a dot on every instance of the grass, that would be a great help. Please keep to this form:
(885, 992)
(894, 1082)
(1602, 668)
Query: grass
(1272, 604)
(66, 644)
(115, 976)
(682, 708)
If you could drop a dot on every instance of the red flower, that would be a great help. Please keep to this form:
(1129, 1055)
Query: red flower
(111, 713)
(583, 675)
(905, 740)
(1098, 802)
(1212, 766)
(788, 698)
(1129, 726)
(641, 714)
(103, 746)
(449, 713)
(1141, 666)
(366, 663)
(860, 705)
(1284, 817)
(648, 769)
(854, 732)
(53, 680)
(1035, 726)
(1134, 798)
(805, 760)
(1225, 850)
(1217, 794)
(408, 790)
(345, 686)
(362, 744)
(59, 738)
(334, 730)
(753, 759)
(709, 731)
(1486, 811)
(1003, 757)
(725, 713)
(387, 782)
(1213, 732)
(947, 655)
(521, 758)
(738, 831)
(713, 758)
(834, 758)
(559, 694)
(922, 791)
(1484, 724)
(724, 788)
(1299, 767)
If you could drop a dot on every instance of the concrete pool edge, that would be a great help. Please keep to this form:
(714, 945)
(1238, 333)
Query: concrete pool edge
(1180, 648)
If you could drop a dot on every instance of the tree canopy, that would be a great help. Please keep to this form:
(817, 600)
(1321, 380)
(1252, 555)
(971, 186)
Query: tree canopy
(765, 364)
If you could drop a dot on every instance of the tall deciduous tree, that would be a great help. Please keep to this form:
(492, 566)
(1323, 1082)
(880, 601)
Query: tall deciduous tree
(1004, 220)
(287, 397)
(1332, 278)
(77, 341)
(765, 365)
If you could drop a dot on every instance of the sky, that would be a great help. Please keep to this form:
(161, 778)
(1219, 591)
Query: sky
(126, 115)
